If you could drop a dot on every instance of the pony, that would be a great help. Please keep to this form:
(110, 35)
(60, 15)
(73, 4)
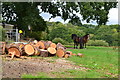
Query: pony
(76, 40)
(83, 40)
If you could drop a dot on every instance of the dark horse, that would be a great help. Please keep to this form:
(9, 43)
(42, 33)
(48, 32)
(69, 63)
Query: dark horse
(76, 40)
(83, 41)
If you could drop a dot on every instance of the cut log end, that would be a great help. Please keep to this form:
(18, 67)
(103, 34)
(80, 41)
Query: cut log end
(53, 45)
(68, 52)
(66, 56)
(60, 53)
(80, 55)
(14, 51)
(51, 50)
(29, 49)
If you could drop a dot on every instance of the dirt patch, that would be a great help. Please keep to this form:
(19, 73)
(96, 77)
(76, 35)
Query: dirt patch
(17, 67)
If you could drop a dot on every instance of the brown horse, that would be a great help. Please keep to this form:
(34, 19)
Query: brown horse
(76, 40)
(84, 40)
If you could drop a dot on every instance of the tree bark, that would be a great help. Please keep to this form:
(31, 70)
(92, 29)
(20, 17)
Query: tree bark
(44, 53)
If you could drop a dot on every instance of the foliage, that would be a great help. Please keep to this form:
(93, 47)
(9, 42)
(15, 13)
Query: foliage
(59, 40)
(97, 11)
(22, 15)
(36, 35)
(88, 28)
(64, 32)
(106, 33)
(97, 43)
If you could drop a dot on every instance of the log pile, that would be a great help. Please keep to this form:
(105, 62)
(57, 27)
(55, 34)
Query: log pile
(2, 47)
(38, 48)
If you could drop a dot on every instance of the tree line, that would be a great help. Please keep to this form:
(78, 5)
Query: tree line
(108, 33)
(26, 16)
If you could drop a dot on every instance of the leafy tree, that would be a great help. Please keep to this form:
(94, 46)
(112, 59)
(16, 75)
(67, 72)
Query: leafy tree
(97, 11)
(107, 34)
(24, 13)
(64, 32)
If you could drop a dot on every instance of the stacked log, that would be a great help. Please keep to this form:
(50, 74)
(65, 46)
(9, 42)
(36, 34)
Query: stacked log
(2, 47)
(39, 48)
(15, 50)
(29, 49)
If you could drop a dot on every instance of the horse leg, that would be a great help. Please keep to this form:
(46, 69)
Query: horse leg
(80, 46)
(74, 45)
(85, 45)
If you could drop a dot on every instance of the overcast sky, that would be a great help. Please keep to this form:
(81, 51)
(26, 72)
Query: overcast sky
(113, 17)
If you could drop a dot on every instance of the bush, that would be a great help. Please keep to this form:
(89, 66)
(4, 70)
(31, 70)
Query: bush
(56, 40)
(97, 43)
(64, 33)
(36, 35)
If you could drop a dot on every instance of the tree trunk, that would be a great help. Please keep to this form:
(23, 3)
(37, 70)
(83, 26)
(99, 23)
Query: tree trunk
(80, 55)
(59, 45)
(29, 49)
(47, 44)
(40, 45)
(60, 53)
(21, 45)
(74, 54)
(51, 50)
(53, 45)
(37, 51)
(2, 47)
(44, 53)
(68, 52)
(14, 51)
(66, 56)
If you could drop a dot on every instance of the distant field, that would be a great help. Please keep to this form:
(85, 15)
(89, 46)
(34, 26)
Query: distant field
(102, 62)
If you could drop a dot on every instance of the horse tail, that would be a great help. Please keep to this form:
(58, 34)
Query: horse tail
(73, 35)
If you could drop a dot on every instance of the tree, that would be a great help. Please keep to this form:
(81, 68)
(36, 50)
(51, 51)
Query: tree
(97, 11)
(64, 32)
(23, 13)
(107, 34)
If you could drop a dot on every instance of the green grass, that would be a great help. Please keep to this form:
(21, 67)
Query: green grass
(101, 60)
(39, 75)
(77, 74)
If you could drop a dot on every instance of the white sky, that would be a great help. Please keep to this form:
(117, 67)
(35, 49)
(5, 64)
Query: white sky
(113, 17)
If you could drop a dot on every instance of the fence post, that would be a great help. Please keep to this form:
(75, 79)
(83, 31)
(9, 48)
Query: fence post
(17, 35)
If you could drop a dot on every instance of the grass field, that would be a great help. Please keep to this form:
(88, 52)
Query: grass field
(101, 62)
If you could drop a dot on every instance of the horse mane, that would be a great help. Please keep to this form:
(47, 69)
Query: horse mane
(73, 35)
(85, 35)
